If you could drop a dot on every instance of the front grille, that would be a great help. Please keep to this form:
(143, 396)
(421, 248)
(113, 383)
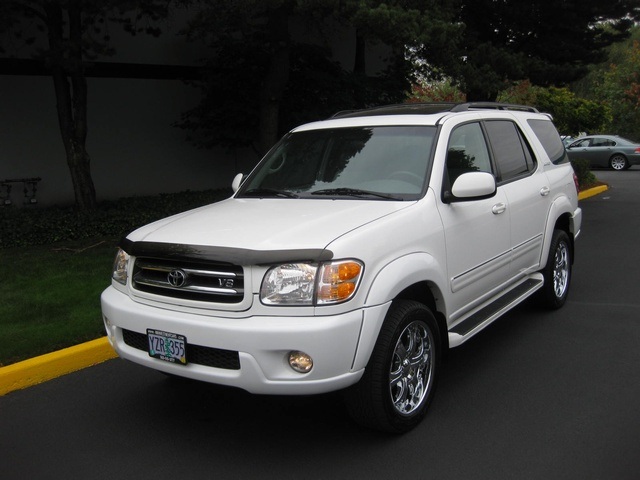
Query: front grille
(207, 356)
(208, 282)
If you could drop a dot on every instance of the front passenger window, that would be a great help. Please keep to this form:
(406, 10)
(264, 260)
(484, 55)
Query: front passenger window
(467, 152)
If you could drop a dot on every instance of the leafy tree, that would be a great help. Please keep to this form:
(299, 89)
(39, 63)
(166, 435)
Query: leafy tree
(571, 114)
(262, 78)
(65, 33)
(436, 91)
(550, 42)
(619, 86)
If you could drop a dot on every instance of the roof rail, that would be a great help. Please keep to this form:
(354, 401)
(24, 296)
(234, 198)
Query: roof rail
(463, 107)
(431, 108)
(398, 109)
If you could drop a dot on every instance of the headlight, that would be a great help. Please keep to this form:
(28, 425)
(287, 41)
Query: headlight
(120, 267)
(290, 284)
(309, 284)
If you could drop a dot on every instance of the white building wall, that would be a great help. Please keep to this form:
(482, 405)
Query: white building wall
(133, 146)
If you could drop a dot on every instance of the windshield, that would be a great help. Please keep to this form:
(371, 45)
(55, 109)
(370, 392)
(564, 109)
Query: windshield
(364, 162)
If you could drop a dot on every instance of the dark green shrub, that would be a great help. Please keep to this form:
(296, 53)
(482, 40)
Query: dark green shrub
(21, 227)
(586, 178)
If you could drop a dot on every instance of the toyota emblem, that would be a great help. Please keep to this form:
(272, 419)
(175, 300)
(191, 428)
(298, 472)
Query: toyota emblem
(177, 278)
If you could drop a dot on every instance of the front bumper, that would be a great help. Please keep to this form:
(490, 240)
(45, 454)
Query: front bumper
(262, 344)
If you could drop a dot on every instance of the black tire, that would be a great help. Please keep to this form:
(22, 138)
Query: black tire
(557, 272)
(618, 162)
(400, 379)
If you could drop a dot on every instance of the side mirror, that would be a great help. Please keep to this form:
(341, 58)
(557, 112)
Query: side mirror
(237, 180)
(472, 186)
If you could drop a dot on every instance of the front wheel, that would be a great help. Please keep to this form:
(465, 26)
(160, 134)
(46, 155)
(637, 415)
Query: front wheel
(557, 272)
(399, 380)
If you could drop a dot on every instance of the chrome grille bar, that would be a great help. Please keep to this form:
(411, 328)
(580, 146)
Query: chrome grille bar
(198, 281)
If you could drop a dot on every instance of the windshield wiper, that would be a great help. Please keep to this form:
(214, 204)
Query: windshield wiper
(269, 192)
(353, 192)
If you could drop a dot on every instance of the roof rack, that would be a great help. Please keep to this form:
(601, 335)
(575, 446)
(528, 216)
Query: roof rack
(431, 108)
(463, 107)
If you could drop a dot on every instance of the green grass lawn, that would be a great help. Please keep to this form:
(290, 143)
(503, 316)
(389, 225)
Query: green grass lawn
(57, 260)
(50, 296)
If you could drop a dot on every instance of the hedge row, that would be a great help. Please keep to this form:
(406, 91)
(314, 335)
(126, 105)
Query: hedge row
(21, 227)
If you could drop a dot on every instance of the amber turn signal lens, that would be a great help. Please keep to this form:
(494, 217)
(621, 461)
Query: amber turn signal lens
(339, 281)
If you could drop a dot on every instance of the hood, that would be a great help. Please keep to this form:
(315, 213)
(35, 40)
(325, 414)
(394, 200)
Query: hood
(267, 224)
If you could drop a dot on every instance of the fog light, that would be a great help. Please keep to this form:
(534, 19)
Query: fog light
(300, 362)
(107, 326)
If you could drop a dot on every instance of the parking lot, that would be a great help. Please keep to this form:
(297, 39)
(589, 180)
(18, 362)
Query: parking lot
(538, 395)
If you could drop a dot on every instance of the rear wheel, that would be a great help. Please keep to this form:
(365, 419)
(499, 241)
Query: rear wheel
(399, 381)
(557, 272)
(618, 162)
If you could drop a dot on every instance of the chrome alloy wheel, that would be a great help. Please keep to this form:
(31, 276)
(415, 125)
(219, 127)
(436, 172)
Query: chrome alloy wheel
(411, 370)
(561, 269)
(618, 162)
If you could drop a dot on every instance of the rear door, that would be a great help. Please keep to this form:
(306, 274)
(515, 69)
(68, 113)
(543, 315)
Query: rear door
(527, 190)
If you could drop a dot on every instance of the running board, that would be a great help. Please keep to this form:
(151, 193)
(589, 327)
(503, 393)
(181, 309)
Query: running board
(471, 325)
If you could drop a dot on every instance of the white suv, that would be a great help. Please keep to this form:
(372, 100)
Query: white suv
(356, 251)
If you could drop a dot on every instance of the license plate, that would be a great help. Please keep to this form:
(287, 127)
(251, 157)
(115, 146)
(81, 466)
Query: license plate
(166, 346)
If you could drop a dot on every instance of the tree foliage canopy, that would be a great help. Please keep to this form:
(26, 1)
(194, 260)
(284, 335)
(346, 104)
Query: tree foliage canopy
(273, 66)
(550, 42)
(619, 85)
(571, 113)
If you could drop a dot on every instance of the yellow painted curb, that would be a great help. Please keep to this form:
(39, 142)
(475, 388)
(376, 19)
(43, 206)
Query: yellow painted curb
(52, 365)
(592, 192)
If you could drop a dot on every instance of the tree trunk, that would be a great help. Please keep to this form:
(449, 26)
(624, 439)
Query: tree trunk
(360, 70)
(276, 80)
(359, 63)
(71, 98)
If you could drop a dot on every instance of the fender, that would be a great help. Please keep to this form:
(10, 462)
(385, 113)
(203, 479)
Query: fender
(559, 207)
(389, 282)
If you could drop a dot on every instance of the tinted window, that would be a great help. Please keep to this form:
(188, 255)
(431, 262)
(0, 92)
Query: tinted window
(550, 140)
(467, 151)
(602, 142)
(512, 155)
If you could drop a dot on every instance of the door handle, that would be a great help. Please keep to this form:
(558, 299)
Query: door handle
(544, 191)
(498, 208)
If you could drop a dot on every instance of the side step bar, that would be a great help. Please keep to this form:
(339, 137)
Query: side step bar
(471, 325)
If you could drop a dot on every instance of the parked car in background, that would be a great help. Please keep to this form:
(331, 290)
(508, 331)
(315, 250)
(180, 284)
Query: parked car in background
(567, 139)
(605, 151)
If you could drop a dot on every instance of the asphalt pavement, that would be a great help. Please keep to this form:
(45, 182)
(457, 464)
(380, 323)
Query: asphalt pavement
(538, 395)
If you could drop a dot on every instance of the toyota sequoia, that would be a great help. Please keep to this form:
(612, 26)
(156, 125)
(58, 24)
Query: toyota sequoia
(357, 251)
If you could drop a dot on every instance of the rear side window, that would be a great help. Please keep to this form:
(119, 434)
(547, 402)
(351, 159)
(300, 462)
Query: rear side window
(550, 140)
(602, 142)
(512, 154)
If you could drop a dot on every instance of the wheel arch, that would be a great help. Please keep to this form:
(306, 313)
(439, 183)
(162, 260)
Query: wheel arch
(560, 218)
(411, 277)
(429, 294)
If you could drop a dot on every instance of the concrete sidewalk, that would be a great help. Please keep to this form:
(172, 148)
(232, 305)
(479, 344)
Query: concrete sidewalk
(46, 367)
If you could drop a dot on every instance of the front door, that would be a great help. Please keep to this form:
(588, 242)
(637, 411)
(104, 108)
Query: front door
(477, 232)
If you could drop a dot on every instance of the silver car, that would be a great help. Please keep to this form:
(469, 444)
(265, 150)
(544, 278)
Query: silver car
(605, 151)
